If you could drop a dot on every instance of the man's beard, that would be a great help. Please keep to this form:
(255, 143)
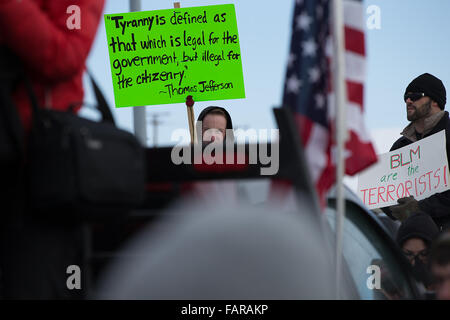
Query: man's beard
(420, 112)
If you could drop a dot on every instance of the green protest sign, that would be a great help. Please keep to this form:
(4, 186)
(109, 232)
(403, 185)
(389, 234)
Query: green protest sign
(162, 56)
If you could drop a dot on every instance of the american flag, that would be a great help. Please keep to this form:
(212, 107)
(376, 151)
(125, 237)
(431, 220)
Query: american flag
(308, 89)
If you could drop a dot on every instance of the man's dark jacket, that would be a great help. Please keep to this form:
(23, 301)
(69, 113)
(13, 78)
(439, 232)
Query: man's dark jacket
(437, 205)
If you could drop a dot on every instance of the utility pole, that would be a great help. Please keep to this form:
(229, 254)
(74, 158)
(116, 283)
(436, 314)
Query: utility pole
(155, 122)
(139, 120)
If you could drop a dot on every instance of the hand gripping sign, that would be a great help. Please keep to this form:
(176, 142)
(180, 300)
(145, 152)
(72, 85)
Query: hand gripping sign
(163, 56)
(419, 169)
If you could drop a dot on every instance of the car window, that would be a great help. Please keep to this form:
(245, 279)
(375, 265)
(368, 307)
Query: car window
(374, 268)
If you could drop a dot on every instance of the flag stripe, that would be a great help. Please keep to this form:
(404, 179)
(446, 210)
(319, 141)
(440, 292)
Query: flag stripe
(355, 65)
(316, 151)
(355, 118)
(355, 92)
(305, 126)
(354, 41)
(353, 14)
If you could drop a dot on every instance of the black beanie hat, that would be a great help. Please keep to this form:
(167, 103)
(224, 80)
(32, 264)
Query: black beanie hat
(431, 86)
(418, 225)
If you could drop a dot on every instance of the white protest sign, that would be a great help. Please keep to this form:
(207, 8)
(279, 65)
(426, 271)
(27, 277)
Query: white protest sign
(419, 169)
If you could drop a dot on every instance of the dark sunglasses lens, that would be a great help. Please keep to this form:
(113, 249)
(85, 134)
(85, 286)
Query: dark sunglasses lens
(413, 96)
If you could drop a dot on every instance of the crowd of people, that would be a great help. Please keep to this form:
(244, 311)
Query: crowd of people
(424, 233)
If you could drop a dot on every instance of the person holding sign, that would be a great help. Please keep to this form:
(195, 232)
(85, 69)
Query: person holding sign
(425, 99)
(216, 125)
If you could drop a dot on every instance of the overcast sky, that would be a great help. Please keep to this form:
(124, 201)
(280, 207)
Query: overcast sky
(413, 39)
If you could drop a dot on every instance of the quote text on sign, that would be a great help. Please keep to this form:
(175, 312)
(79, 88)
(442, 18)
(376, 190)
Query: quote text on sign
(162, 56)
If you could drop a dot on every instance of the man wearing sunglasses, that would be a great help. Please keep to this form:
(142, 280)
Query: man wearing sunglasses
(425, 99)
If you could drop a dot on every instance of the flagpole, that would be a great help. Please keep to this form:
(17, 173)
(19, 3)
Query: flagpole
(139, 116)
(341, 132)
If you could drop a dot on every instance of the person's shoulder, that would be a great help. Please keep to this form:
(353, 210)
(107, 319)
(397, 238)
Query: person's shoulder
(446, 118)
(401, 142)
(444, 124)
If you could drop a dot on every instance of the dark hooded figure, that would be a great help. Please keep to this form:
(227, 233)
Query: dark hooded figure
(216, 125)
(414, 237)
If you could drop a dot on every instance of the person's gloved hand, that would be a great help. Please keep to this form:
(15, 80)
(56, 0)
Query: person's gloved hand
(405, 208)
